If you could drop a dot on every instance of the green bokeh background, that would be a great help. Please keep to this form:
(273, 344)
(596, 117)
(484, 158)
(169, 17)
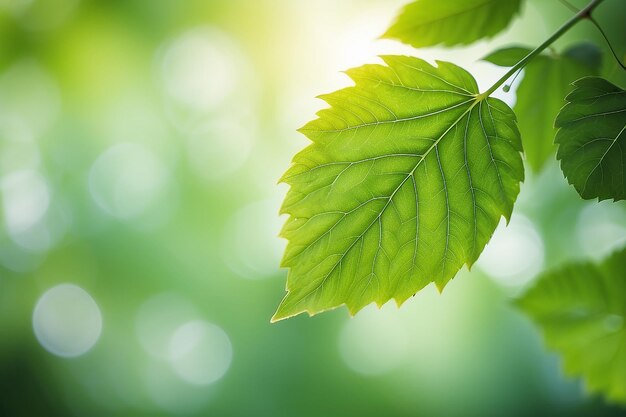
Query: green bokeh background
(140, 144)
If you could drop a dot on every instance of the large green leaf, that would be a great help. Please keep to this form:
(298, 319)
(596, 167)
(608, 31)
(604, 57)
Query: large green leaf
(592, 139)
(452, 22)
(547, 79)
(408, 175)
(581, 310)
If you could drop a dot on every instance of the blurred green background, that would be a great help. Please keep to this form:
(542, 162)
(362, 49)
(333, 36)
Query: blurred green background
(140, 144)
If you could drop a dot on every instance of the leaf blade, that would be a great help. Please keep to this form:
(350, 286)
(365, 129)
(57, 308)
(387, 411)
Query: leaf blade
(454, 22)
(509, 56)
(405, 169)
(592, 139)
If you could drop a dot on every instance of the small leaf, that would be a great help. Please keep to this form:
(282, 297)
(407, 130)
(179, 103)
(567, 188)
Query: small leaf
(592, 139)
(587, 54)
(547, 79)
(581, 310)
(508, 57)
(407, 178)
(452, 22)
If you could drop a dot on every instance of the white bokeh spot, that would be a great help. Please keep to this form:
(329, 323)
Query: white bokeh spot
(25, 199)
(200, 68)
(67, 321)
(601, 229)
(200, 352)
(515, 254)
(127, 180)
(158, 318)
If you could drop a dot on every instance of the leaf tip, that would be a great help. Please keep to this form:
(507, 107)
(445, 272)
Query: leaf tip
(280, 313)
(276, 318)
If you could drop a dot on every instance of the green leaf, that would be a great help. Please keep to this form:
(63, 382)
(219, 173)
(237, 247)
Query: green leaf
(592, 139)
(508, 57)
(581, 310)
(452, 22)
(547, 79)
(406, 179)
(587, 54)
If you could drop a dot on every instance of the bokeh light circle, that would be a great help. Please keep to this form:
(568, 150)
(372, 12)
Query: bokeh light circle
(158, 318)
(200, 352)
(515, 254)
(127, 180)
(25, 199)
(200, 68)
(67, 321)
(601, 229)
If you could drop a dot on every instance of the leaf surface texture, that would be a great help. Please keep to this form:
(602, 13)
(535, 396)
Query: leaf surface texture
(406, 180)
(592, 139)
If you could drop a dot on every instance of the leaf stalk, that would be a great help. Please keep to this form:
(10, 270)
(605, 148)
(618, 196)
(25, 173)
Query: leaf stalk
(608, 42)
(584, 13)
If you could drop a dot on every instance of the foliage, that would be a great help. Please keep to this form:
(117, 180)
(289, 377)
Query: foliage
(536, 116)
(411, 169)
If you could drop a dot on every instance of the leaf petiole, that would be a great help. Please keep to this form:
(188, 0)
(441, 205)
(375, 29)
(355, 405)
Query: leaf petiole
(608, 42)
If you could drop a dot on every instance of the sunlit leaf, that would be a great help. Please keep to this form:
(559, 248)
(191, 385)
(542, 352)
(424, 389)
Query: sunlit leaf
(592, 139)
(581, 310)
(546, 80)
(406, 180)
(452, 22)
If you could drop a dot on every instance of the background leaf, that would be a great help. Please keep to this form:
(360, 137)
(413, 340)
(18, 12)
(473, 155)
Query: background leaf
(452, 22)
(592, 139)
(581, 310)
(587, 54)
(508, 57)
(547, 79)
(406, 180)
